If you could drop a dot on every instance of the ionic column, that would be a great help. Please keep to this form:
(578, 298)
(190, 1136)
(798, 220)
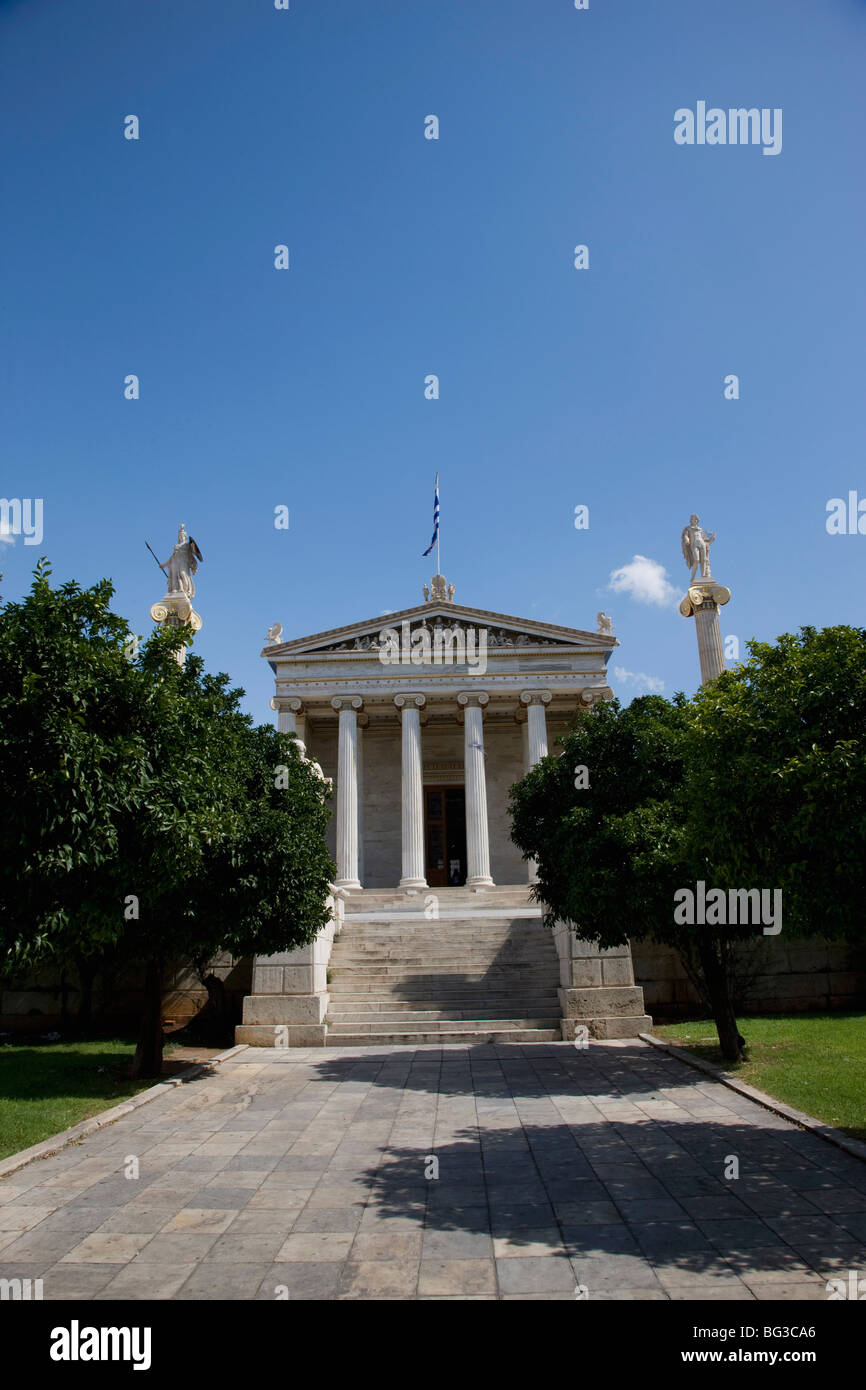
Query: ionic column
(711, 653)
(536, 743)
(702, 602)
(347, 791)
(291, 719)
(477, 838)
(412, 803)
(535, 701)
(703, 599)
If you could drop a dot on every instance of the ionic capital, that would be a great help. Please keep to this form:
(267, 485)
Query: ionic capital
(535, 697)
(285, 702)
(401, 700)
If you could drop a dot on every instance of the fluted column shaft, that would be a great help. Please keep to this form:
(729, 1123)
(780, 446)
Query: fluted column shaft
(710, 649)
(704, 598)
(536, 743)
(477, 836)
(412, 801)
(537, 721)
(347, 792)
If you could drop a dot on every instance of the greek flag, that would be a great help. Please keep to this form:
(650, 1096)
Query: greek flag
(435, 518)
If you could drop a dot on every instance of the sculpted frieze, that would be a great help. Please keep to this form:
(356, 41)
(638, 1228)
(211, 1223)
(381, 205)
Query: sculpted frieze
(496, 637)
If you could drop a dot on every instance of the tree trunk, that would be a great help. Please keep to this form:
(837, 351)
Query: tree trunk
(86, 976)
(716, 977)
(106, 987)
(64, 1004)
(148, 1054)
(216, 1015)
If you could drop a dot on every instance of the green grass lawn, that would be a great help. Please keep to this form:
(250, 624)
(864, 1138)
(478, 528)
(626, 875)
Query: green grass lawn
(815, 1062)
(48, 1086)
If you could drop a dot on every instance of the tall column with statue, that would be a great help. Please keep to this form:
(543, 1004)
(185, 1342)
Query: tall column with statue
(703, 599)
(175, 607)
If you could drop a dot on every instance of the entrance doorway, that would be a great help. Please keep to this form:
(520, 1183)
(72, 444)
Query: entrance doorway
(445, 836)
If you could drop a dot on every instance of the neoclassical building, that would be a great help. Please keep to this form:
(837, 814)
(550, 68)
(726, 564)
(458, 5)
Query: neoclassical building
(424, 719)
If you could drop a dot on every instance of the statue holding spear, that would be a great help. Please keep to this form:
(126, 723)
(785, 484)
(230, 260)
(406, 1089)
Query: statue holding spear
(181, 564)
(176, 606)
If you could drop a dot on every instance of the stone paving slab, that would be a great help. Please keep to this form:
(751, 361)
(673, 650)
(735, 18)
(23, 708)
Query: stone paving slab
(540, 1171)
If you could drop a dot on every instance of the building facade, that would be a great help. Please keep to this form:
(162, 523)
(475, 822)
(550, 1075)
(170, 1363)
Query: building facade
(424, 719)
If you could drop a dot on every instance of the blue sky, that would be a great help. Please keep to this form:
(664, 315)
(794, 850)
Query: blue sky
(305, 388)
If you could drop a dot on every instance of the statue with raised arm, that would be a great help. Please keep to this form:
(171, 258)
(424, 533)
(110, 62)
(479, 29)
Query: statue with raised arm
(696, 548)
(182, 564)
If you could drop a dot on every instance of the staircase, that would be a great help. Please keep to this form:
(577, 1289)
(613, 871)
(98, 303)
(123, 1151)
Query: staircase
(485, 970)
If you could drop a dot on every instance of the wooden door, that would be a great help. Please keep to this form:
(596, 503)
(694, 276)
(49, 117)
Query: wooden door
(445, 836)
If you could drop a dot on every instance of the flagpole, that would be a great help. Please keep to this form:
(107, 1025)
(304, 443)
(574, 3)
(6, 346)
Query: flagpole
(438, 529)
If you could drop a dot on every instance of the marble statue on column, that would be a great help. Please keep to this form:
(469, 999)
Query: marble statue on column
(704, 598)
(175, 608)
(182, 564)
(696, 547)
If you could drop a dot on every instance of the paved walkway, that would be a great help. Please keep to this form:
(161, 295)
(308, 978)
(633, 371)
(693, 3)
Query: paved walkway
(304, 1174)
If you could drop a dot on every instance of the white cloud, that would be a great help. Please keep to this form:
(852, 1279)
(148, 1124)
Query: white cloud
(644, 580)
(7, 537)
(653, 684)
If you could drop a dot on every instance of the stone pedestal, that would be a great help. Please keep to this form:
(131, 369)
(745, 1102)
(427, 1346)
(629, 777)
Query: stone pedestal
(289, 1002)
(597, 989)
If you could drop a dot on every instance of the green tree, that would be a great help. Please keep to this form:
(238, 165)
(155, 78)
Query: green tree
(257, 883)
(72, 765)
(777, 782)
(611, 842)
(146, 813)
(758, 782)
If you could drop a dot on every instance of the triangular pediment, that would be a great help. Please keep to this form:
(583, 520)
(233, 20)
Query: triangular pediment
(503, 631)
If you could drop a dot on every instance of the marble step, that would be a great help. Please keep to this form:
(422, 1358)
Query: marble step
(449, 982)
(421, 951)
(444, 933)
(531, 1001)
(452, 976)
(375, 899)
(412, 1019)
(441, 929)
(400, 960)
(505, 1007)
(500, 1008)
(434, 996)
(455, 912)
(457, 1035)
(337, 1025)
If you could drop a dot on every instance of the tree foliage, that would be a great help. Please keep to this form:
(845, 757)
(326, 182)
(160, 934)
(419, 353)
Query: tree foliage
(610, 854)
(145, 811)
(758, 782)
(778, 777)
